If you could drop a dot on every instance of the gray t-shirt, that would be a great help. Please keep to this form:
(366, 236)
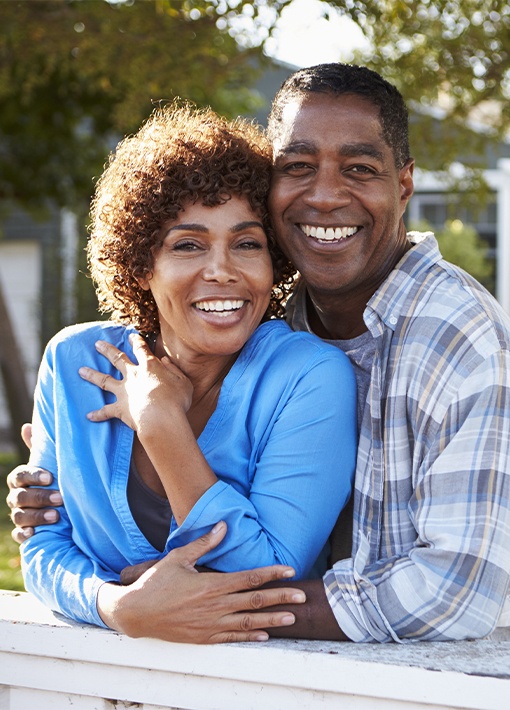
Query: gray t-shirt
(360, 350)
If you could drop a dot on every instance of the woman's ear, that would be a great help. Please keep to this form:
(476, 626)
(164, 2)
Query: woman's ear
(144, 281)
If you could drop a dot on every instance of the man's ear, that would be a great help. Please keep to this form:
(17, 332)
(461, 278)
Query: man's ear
(405, 178)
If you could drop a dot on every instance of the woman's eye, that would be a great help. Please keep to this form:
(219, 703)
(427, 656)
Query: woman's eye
(250, 244)
(185, 245)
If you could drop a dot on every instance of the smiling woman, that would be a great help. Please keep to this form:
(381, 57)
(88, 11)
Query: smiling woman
(195, 404)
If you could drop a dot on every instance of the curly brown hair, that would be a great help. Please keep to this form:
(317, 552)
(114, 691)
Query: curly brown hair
(181, 155)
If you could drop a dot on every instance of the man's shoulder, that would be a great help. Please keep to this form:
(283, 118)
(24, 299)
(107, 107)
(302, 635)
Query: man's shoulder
(438, 295)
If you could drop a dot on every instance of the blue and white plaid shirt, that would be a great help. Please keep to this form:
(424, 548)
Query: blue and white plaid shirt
(431, 530)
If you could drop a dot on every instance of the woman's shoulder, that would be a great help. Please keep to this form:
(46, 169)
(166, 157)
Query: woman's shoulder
(275, 339)
(88, 333)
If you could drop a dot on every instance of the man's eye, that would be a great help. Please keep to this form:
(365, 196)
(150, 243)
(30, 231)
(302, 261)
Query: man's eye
(361, 169)
(297, 167)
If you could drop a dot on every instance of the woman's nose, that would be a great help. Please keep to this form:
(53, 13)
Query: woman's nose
(220, 267)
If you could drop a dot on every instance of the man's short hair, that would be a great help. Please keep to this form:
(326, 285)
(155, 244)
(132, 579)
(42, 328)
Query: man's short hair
(336, 79)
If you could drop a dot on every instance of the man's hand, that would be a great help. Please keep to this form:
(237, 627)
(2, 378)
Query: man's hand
(31, 506)
(173, 602)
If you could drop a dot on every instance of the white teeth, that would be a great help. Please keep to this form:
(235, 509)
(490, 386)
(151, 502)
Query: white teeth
(328, 234)
(223, 308)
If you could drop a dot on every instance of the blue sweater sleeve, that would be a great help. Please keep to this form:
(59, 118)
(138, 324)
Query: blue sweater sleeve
(302, 481)
(55, 569)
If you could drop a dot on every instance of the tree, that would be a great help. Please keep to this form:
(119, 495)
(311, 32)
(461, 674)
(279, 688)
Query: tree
(461, 244)
(451, 60)
(75, 75)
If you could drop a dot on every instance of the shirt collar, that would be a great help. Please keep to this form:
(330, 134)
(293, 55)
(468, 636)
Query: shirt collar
(388, 303)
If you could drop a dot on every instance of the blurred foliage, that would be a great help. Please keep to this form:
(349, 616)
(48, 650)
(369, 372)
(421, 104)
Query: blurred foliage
(451, 60)
(461, 244)
(10, 568)
(76, 75)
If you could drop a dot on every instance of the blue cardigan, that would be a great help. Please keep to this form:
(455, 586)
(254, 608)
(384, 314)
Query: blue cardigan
(282, 442)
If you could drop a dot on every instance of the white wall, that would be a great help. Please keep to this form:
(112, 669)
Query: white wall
(20, 277)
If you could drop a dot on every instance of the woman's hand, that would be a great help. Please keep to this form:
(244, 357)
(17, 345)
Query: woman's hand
(145, 390)
(171, 601)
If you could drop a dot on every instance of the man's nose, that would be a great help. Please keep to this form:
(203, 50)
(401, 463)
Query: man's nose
(327, 191)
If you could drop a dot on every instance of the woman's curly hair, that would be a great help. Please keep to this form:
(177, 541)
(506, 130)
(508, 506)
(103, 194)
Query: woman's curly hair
(181, 155)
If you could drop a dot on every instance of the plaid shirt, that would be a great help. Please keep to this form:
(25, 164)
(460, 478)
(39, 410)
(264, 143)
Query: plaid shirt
(431, 529)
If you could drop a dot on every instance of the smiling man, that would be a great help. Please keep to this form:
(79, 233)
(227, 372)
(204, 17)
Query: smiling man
(430, 554)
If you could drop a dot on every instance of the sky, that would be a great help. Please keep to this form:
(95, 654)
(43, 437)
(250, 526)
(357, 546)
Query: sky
(303, 37)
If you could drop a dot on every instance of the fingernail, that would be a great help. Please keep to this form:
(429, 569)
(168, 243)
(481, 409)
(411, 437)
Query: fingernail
(44, 478)
(216, 529)
(50, 516)
(287, 620)
(289, 573)
(261, 637)
(298, 597)
(56, 498)
(26, 532)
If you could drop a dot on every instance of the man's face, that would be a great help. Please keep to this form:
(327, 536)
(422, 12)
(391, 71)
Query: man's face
(337, 198)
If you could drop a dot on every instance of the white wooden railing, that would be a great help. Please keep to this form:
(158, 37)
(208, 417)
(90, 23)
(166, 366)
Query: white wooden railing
(48, 663)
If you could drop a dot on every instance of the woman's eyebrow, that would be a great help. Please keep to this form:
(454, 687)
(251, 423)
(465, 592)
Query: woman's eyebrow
(246, 225)
(192, 227)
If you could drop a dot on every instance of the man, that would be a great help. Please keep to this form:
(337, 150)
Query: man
(431, 525)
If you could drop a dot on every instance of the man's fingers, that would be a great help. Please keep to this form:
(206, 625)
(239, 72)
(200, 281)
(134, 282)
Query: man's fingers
(26, 435)
(33, 498)
(19, 535)
(30, 517)
(26, 475)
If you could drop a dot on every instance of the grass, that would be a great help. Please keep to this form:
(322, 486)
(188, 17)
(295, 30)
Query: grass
(10, 570)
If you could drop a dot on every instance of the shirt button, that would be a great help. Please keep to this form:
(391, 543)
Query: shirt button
(393, 320)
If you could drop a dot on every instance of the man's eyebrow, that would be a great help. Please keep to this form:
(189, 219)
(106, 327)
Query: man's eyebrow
(349, 150)
(358, 150)
(297, 148)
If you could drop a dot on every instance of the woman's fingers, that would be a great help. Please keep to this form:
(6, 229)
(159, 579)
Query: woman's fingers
(104, 381)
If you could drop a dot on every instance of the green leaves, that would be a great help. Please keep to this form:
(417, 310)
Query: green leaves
(76, 75)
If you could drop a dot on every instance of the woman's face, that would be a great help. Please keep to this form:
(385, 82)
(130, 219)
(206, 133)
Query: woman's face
(211, 279)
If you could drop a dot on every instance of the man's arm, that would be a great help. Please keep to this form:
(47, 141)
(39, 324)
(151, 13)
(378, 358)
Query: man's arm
(314, 618)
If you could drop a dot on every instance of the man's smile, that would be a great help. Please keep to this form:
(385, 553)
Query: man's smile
(328, 234)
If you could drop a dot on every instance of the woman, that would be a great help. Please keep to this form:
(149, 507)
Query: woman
(228, 414)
